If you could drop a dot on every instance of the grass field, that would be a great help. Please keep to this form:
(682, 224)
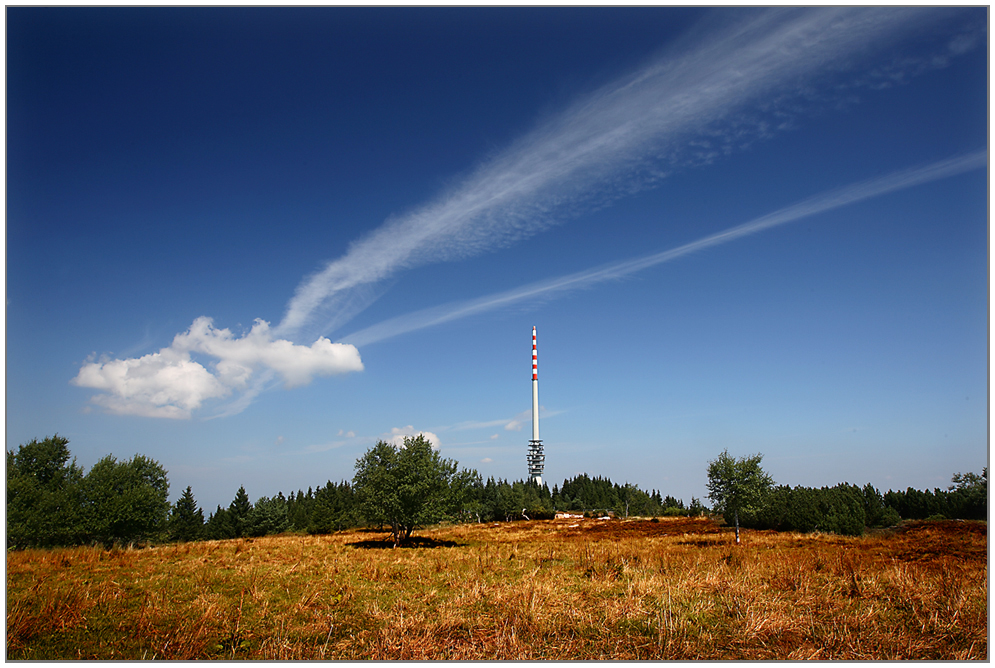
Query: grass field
(563, 589)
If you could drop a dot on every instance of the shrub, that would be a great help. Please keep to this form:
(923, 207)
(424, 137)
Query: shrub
(889, 518)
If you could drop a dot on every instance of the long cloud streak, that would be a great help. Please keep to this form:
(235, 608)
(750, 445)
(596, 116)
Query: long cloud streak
(544, 289)
(682, 109)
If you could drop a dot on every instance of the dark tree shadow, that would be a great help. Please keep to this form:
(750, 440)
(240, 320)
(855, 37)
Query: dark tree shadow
(413, 541)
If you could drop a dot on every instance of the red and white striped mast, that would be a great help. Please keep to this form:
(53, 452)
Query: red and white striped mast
(536, 458)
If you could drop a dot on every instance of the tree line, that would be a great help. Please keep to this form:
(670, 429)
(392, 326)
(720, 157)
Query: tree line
(51, 501)
(745, 494)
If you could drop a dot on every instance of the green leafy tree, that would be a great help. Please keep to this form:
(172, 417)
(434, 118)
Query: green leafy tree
(44, 505)
(126, 501)
(186, 521)
(737, 485)
(973, 481)
(510, 501)
(535, 501)
(628, 494)
(408, 486)
(475, 506)
(968, 495)
(774, 512)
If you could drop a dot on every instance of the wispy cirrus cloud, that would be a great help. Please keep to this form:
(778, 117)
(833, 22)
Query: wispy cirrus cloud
(710, 95)
(473, 424)
(617, 270)
(510, 424)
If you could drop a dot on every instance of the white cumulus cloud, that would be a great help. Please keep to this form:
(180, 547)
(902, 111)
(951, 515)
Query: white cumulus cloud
(397, 436)
(172, 384)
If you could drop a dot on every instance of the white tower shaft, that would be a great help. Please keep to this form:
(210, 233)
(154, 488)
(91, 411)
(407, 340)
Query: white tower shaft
(535, 390)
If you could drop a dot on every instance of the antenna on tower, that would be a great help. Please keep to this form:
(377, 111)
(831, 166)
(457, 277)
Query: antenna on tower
(536, 458)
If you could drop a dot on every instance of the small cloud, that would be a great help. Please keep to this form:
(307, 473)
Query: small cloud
(486, 460)
(515, 424)
(397, 436)
(494, 437)
(474, 424)
(350, 434)
(962, 44)
(279, 440)
(510, 424)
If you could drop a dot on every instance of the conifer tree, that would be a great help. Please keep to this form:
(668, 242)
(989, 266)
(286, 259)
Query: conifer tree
(186, 522)
(219, 525)
(238, 512)
(268, 516)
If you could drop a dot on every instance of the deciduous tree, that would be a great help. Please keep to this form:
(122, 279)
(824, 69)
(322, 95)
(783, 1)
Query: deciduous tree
(126, 501)
(44, 506)
(735, 485)
(409, 486)
(968, 496)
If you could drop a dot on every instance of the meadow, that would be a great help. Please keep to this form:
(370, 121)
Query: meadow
(675, 588)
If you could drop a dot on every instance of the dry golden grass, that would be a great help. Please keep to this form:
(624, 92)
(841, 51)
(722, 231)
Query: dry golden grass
(673, 589)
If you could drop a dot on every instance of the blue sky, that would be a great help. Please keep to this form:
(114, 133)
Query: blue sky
(249, 243)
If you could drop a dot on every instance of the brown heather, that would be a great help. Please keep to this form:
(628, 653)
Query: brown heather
(575, 589)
